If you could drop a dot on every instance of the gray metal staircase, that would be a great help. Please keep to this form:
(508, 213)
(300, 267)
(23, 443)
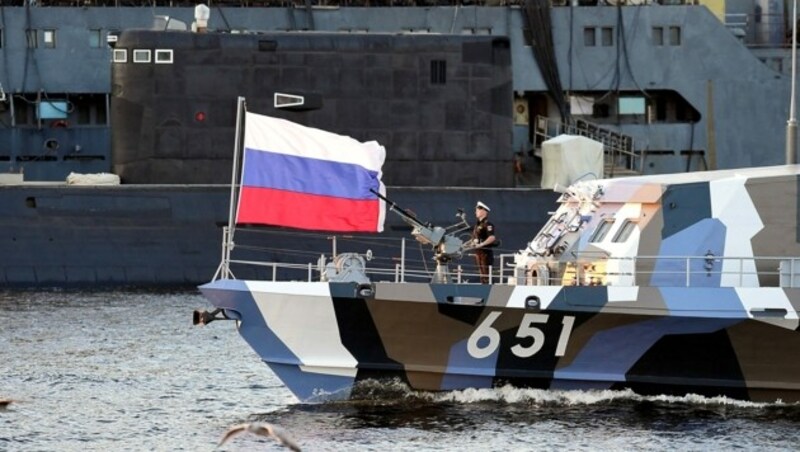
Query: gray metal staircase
(621, 158)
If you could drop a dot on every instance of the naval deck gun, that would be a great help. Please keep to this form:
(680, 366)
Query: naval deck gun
(444, 241)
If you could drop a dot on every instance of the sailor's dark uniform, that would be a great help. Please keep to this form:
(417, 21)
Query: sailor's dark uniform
(484, 256)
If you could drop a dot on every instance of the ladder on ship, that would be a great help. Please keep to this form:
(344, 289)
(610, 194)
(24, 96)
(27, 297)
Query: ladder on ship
(621, 158)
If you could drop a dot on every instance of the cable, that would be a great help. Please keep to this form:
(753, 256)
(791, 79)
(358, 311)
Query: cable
(625, 48)
(569, 49)
(455, 17)
(537, 15)
(28, 43)
(224, 19)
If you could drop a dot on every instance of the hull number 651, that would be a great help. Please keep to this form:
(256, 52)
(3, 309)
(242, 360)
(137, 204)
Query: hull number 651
(486, 339)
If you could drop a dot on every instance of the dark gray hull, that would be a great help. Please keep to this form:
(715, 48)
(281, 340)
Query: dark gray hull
(57, 235)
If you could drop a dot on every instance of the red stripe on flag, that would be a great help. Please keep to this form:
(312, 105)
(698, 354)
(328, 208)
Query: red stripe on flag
(304, 211)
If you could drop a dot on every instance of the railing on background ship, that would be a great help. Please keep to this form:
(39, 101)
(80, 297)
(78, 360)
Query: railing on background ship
(620, 156)
(761, 30)
(330, 3)
(587, 269)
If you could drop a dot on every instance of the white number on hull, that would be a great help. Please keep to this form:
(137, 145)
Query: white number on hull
(484, 330)
(566, 330)
(526, 330)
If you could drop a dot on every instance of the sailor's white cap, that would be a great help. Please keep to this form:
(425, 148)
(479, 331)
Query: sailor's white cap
(483, 206)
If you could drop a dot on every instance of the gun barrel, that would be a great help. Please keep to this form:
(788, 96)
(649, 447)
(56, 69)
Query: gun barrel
(407, 217)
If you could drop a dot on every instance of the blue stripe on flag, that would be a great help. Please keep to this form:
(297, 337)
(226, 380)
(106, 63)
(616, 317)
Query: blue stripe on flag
(307, 175)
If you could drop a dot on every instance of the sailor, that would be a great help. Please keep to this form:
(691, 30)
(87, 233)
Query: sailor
(483, 240)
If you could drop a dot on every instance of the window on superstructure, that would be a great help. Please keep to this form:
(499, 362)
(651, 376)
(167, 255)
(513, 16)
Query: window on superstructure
(477, 31)
(100, 114)
(84, 110)
(607, 36)
(21, 111)
(438, 72)
(163, 56)
(95, 38)
(674, 36)
(658, 36)
(624, 231)
(602, 230)
(120, 55)
(141, 55)
(589, 39)
(777, 64)
(659, 109)
(634, 105)
(32, 38)
(49, 38)
(600, 110)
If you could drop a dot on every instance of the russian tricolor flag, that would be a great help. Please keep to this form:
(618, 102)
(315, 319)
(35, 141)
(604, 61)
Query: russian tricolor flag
(307, 178)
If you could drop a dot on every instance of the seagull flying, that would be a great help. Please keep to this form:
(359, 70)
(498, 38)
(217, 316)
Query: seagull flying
(260, 429)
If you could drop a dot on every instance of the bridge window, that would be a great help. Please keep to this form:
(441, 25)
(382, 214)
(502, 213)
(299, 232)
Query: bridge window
(602, 230)
(624, 231)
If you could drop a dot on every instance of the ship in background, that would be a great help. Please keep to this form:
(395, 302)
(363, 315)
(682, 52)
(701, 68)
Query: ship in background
(455, 92)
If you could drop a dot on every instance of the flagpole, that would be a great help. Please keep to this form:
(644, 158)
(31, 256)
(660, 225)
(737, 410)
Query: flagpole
(227, 245)
(791, 124)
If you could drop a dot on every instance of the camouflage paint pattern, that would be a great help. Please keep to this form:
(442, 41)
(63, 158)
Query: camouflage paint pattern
(680, 302)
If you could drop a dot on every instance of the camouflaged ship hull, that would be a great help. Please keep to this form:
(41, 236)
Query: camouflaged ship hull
(674, 284)
(321, 339)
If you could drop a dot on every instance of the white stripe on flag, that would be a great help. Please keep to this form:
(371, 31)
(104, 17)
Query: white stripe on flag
(285, 137)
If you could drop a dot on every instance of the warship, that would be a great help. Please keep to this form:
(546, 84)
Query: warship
(462, 94)
(665, 284)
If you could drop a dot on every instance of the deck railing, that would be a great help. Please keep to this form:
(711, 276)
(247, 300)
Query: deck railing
(584, 269)
(678, 271)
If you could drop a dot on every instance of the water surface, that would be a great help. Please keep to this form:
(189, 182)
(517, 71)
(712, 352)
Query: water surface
(126, 370)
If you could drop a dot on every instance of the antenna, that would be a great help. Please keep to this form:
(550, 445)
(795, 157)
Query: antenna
(791, 125)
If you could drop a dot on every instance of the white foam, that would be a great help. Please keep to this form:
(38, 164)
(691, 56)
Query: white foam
(512, 395)
(397, 390)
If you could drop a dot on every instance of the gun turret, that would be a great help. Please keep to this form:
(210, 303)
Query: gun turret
(446, 245)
